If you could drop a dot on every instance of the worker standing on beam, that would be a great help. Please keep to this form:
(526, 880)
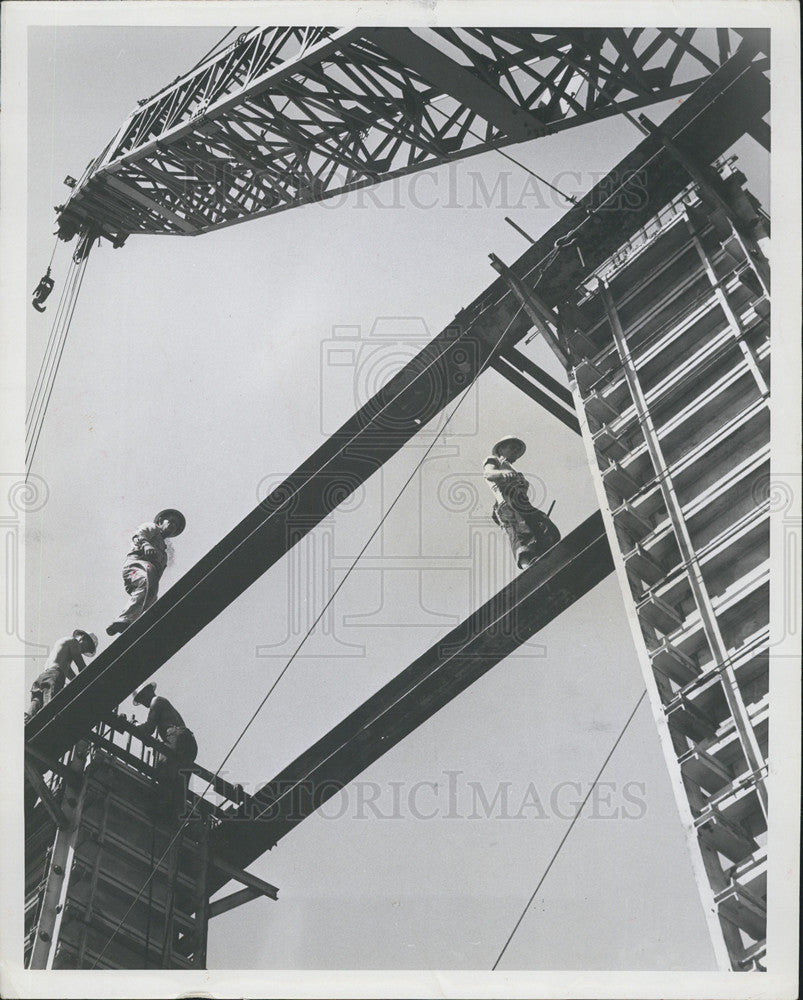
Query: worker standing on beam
(67, 653)
(170, 770)
(145, 564)
(529, 530)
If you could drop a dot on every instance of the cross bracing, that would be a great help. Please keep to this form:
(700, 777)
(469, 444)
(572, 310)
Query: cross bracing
(287, 116)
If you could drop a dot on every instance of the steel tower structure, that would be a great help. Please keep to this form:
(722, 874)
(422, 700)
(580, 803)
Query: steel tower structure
(652, 310)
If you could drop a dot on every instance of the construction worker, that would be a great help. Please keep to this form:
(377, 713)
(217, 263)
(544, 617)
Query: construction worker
(165, 721)
(145, 564)
(529, 530)
(67, 653)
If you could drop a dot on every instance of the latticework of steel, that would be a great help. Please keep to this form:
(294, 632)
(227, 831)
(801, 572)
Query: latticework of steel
(286, 116)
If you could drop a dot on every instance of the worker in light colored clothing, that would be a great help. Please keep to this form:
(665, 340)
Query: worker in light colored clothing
(165, 721)
(67, 653)
(145, 564)
(529, 530)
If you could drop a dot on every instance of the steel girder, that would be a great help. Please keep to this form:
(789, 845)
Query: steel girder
(286, 116)
(719, 113)
(566, 573)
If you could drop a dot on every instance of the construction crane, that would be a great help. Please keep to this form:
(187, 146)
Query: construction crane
(163, 173)
(286, 116)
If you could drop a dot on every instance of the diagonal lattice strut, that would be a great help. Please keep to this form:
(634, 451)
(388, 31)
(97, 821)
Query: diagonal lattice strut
(287, 116)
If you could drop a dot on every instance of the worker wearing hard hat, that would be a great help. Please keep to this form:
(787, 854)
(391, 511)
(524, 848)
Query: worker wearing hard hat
(529, 530)
(145, 564)
(67, 653)
(165, 721)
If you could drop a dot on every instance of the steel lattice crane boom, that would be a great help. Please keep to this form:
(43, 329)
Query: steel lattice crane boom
(287, 116)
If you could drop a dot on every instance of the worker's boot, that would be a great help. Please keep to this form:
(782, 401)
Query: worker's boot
(116, 627)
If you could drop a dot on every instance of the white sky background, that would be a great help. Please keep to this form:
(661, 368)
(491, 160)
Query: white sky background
(192, 372)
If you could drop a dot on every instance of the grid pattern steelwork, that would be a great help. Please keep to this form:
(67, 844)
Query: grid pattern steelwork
(108, 915)
(670, 357)
(111, 880)
(286, 116)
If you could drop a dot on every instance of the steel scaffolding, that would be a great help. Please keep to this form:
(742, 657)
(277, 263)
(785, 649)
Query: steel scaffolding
(111, 881)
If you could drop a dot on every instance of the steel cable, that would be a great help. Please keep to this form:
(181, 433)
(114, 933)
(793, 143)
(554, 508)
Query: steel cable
(309, 631)
(569, 829)
(31, 452)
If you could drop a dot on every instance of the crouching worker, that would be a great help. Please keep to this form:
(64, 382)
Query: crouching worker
(67, 653)
(529, 530)
(164, 720)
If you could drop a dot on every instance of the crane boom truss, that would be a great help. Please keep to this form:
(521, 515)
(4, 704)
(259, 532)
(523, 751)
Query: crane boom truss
(286, 116)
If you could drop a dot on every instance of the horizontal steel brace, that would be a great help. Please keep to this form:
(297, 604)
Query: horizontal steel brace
(231, 871)
(515, 377)
(525, 364)
(231, 901)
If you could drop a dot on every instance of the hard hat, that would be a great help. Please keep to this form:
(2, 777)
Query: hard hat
(150, 686)
(516, 445)
(178, 519)
(93, 639)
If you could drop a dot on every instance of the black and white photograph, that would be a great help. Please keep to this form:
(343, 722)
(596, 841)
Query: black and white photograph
(401, 499)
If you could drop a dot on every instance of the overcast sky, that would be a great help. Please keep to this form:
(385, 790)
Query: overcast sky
(197, 371)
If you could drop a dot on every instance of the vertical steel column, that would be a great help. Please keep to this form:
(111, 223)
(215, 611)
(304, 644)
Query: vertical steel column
(100, 842)
(202, 912)
(170, 903)
(734, 325)
(747, 737)
(57, 880)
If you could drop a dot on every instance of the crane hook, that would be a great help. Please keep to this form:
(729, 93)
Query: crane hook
(42, 291)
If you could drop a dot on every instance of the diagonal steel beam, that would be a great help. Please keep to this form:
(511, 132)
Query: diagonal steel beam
(48, 800)
(343, 463)
(507, 369)
(568, 571)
